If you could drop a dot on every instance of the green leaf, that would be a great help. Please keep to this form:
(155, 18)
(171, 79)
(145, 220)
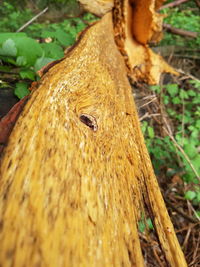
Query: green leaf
(21, 89)
(21, 61)
(172, 89)
(190, 195)
(196, 162)
(198, 197)
(197, 124)
(10, 35)
(166, 99)
(195, 83)
(41, 62)
(183, 94)
(8, 48)
(27, 74)
(144, 126)
(141, 226)
(176, 100)
(191, 93)
(46, 34)
(150, 132)
(190, 150)
(155, 88)
(26, 47)
(150, 224)
(29, 49)
(197, 214)
(64, 38)
(53, 50)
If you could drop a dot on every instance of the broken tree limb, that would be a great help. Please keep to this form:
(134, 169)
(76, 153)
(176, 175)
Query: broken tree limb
(142, 64)
(181, 32)
(67, 209)
(92, 196)
(76, 174)
(173, 4)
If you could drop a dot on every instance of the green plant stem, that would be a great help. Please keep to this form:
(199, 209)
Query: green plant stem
(182, 123)
(183, 153)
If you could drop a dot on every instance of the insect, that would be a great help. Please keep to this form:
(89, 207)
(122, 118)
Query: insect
(90, 121)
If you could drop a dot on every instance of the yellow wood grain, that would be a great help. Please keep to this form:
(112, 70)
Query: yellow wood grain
(72, 196)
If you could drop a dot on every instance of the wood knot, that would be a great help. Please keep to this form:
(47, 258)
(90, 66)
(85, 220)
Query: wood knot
(90, 121)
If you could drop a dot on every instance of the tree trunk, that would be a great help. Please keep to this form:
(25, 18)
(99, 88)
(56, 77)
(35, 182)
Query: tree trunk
(76, 170)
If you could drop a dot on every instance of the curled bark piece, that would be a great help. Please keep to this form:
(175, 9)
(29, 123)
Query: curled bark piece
(135, 24)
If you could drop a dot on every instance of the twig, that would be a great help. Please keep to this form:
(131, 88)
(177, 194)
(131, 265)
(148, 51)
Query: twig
(147, 115)
(196, 214)
(187, 56)
(187, 237)
(186, 227)
(181, 32)
(183, 123)
(157, 257)
(183, 152)
(197, 3)
(31, 20)
(183, 214)
(188, 75)
(145, 104)
(195, 255)
(173, 4)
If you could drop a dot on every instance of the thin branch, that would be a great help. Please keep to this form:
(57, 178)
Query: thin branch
(173, 4)
(197, 3)
(182, 122)
(196, 214)
(188, 75)
(181, 32)
(31, 20)
(183, 214)
(185, 243)
(186, 227)
(147, 115)
(183, 153)
(145, 104)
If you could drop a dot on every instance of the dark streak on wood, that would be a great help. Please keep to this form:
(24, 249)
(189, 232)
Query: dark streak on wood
(7, 122)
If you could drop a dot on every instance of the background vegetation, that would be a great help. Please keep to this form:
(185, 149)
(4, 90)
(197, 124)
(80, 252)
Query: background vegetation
(173, 140)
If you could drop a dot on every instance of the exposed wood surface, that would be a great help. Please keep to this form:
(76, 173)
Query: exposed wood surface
(76, 170)
(130, 19)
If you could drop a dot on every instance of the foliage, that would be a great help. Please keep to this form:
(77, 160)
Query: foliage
(183, 108)
(11, 18)
(27, 54)
(145, 224)
(187, 130)
(184, 18)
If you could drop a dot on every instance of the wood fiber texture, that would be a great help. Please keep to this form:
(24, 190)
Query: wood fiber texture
(136, 23)
(75, 168)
